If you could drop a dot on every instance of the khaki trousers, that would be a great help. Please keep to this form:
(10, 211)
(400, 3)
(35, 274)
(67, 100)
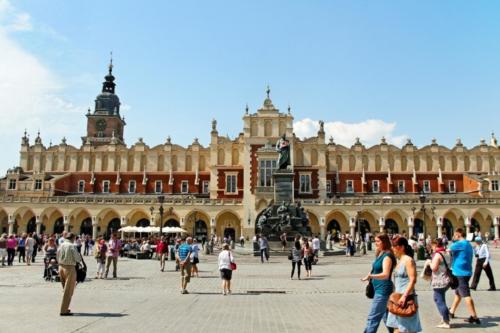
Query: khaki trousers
(68, 280)
(110, 260)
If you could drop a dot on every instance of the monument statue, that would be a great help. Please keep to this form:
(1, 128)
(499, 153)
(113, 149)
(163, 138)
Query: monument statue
(284, 217)
(283, 146)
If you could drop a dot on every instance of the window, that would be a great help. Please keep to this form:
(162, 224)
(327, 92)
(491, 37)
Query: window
(231, 183)
(427, 186)
(205, 186)
(401, 186)
(266, 169)
(131, 186)
(328, 186)
(305, 183)
(375, 186)
(38, 184)
(12, 184)
(184, 186)
(494, 185)
(81, 186)
(350, 186)
(158, 186)
(105, 186)
(451, 186)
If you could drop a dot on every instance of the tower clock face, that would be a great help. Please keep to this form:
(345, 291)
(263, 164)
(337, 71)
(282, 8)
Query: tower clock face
(101, 124)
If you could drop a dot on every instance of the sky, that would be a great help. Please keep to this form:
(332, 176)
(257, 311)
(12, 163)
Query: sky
(398, 69)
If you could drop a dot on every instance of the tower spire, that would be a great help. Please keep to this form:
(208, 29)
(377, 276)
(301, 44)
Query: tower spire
(109, 85)
(110, 66)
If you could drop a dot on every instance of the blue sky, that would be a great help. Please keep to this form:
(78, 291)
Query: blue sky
(417, 69)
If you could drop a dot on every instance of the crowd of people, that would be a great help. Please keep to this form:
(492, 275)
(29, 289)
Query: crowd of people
(393, 278)
(449, 265)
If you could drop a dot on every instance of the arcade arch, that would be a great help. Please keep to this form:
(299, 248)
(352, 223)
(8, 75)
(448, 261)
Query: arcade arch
(197, 223)
(337, 220)
(481, 220)
(314, 223)
(21, 218)
(4, 222)
(395, 222)
(228, 223)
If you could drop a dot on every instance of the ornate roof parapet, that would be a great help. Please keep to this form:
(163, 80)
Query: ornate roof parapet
(25, 140)
(38, 139)
(493, 140)
(214, 127)
(268, 104)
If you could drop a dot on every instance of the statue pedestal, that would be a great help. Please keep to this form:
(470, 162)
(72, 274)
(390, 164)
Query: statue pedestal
(283, 186)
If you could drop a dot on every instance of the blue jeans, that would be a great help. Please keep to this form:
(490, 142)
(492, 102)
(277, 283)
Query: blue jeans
(440, 300)
(378, 312)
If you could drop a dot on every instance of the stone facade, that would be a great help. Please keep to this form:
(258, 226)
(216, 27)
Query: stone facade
(104, 184)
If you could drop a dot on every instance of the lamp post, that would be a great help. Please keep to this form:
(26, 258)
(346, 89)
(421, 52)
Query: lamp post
(358, 223)
(161, 200)
(422, 199)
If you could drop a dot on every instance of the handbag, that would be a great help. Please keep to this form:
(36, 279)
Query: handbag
(370, 290)
(232, 264)
(453, 284)
(81, 271)
(407, 310)
(290, 255)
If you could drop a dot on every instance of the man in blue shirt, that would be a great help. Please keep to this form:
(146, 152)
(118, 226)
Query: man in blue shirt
(462, 254)
(183, 259)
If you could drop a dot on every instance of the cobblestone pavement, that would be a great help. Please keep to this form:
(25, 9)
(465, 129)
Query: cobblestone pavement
(264, 299)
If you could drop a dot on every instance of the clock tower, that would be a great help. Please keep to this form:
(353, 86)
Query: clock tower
(105, 125)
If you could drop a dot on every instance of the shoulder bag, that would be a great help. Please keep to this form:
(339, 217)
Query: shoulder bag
(232, 263)
(407, 310)
(453, 284)
(81, 271)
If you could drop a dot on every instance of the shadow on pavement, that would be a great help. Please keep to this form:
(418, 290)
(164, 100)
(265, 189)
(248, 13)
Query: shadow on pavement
(99, 314)
(488, 321)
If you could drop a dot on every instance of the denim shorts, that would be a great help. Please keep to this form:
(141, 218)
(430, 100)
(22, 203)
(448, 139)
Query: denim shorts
(463, 289)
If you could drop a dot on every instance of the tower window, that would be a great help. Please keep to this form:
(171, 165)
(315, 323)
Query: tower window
(81, 186)
(184, 187)
(427, 186)
(105, 186)
(131, 186)
(158, 186)
(350, 186)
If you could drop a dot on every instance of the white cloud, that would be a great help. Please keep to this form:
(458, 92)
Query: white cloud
(370, 131)
(29, 93)
(12, 20)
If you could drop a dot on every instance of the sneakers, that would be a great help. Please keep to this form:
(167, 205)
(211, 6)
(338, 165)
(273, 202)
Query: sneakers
(443, 325)
(472, 320)
(184, 292)
(224, 293)
(492, 289)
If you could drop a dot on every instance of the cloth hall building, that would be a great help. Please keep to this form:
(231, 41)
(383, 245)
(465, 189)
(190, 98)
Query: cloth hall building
(103, 184)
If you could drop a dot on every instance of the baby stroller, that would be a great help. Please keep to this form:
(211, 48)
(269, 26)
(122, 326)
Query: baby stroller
(51, 272)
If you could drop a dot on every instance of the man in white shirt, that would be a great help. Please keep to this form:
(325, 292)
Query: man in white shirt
(67, 257)
(482, 262)
(315, 246)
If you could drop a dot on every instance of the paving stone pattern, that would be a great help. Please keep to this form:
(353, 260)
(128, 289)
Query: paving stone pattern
(264, 299)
